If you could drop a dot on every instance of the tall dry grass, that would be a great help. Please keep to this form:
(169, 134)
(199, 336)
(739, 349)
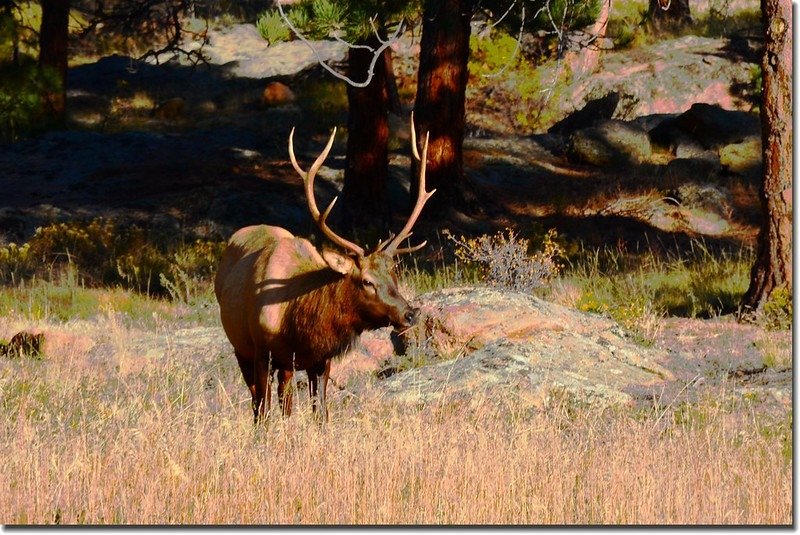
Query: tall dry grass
(86, 437)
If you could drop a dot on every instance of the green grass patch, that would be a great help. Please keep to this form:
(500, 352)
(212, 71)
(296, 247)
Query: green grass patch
(65, 300)
(639, 290)
(104, 253)
(698, 284)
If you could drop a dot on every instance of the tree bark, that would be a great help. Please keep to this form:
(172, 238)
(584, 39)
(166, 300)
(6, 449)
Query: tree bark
(53, 37)
(773, 267)
(440, 103)
(364, 202)
(675, 16)
(586, 60)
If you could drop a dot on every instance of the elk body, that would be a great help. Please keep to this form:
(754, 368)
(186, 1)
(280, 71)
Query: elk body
(285, 306)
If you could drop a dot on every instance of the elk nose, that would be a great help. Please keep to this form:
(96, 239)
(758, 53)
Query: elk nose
(411, 316)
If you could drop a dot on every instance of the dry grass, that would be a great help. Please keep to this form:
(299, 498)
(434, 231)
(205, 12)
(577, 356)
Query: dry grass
(86, 438)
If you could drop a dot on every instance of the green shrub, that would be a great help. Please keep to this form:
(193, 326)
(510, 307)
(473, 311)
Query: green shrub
(272, 27)
(529, 88)
(21, 110)
(104, 253)
(778, 310)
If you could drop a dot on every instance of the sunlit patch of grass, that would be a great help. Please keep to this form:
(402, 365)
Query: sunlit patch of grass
(639, 290)
(42, 300)
(776, 352)
(66, 299)
(427, 275)
(103, 252)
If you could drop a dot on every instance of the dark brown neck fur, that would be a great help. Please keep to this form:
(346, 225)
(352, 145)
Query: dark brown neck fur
(324, 322)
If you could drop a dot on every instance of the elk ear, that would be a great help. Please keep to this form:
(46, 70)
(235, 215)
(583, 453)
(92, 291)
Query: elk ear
(338, 262)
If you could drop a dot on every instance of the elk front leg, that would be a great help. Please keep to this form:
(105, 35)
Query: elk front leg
(285, 391)
(319, 395)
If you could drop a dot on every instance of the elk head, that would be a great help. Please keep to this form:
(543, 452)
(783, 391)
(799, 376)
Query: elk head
(372, 274)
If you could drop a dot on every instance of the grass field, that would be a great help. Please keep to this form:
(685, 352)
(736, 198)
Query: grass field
(103, 434)
(100, 430)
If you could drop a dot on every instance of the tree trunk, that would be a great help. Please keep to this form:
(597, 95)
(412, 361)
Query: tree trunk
(440, 103)
(668, 15)
(773, 266)
(364, 202)
(53, 36)
(586, 60)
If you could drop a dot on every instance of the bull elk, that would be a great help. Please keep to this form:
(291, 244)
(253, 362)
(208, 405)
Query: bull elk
(286, 306)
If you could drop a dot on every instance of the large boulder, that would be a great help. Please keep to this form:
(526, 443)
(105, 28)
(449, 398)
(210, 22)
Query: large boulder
(708, 125)
(514, 344)
(248, 55)
(595, 111)
(611, 143)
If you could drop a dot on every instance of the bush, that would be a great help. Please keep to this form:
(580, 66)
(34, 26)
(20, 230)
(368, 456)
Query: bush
(104, 253)
(505, 261)
(21, 109)
(778, 310)
(272, 28)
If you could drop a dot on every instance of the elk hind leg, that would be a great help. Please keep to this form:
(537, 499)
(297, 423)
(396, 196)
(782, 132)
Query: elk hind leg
(285, 391)
(249, 375)
(262, 386)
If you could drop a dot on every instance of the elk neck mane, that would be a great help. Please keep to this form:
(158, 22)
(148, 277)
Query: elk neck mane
(325, 321)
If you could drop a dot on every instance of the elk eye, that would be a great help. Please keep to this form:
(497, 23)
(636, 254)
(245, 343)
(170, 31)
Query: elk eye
(368, 284)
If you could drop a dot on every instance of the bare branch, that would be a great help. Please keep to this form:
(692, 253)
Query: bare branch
(376, 53)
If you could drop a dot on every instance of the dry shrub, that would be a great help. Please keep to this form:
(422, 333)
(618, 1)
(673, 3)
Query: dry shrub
(505, 260)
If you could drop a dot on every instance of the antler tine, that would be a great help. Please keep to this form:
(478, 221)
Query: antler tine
(422, 197)
(414, 148)
(308, 180)
(415, 248)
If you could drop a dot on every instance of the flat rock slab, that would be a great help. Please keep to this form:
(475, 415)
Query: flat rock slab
(524, 345)
(248, 55)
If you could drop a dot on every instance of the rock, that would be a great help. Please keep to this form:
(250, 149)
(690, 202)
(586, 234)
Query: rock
(246, 54)
(599, 109)
(688, 148)
(374, 348)
(515, 344)
(648, 122)
(277, 94)
(611, 143)
(681, 169)
(705, 197)
(709, 125)
(665, 77)
(743, 158)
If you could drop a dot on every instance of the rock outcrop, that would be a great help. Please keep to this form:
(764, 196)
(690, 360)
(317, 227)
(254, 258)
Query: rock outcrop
(504, 343)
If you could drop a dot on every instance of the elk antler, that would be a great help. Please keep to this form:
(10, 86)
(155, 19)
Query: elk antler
(390, 248)
(308, 179)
